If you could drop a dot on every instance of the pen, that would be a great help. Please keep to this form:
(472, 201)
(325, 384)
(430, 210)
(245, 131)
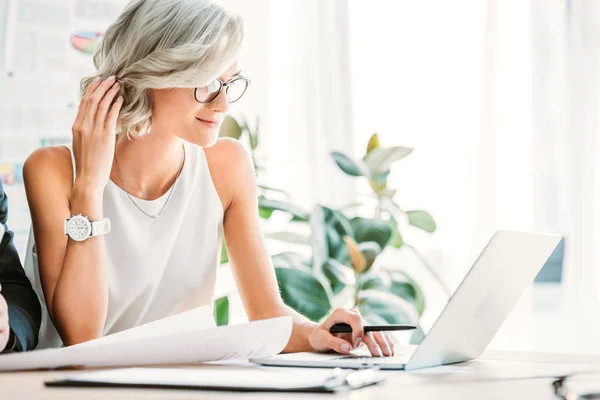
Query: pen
(345, 328)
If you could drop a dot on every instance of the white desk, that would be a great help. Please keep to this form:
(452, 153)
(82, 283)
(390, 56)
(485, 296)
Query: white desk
(477, 379)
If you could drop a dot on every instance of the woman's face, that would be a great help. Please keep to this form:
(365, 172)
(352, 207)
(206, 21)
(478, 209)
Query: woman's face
(177, 112)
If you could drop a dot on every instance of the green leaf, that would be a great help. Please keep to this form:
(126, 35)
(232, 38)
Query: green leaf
(346, 164)
(394, 310)
(230, 128)
(396, 240)
(291, 260)
(375, 280)
(253, 139)
(269, 205)
(371, 230)
(264, 212)
(421, 219)
(303, 292)
(253, 135)
(403, 286)
(336, 227)
(370, 250)
(224, 256)
(221, 311)
(338, 274)
(380, 159)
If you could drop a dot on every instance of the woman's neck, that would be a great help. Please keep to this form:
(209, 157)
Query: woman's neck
(146, 167)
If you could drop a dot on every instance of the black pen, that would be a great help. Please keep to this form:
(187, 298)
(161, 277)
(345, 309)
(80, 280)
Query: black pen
(345, 328)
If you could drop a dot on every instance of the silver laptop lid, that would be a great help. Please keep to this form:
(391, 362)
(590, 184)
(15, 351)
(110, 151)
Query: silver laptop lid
(491, 288)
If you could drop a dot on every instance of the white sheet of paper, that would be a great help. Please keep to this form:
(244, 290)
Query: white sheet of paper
(254, 339)
(196, 319)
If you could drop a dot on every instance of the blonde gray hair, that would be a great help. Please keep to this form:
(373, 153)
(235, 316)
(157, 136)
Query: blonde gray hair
(159, 44)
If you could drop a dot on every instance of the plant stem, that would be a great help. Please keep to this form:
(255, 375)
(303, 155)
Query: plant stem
(379, 207)
(357, 290)
(431, 270)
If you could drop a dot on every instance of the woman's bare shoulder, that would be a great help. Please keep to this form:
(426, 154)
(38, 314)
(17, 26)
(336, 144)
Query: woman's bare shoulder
(51, 165)
(227, 152)
(230, 168)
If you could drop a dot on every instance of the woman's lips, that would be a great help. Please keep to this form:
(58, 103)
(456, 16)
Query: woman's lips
(209, 123)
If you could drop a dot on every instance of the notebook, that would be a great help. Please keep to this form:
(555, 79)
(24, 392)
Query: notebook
(230, 379)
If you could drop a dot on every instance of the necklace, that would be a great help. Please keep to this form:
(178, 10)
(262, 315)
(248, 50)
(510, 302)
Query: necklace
(157, 215)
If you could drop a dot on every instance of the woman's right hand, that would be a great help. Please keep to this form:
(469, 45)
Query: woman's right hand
(94, 134)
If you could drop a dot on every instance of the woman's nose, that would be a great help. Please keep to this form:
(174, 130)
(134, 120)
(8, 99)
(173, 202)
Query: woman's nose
(220, 103)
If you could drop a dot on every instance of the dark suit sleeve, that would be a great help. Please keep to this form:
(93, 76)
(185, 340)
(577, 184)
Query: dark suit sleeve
(24, 312)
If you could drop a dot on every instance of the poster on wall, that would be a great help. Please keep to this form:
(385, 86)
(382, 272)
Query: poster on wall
(46, 48)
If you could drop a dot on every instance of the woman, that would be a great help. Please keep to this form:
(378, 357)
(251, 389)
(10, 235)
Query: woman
(146, 157)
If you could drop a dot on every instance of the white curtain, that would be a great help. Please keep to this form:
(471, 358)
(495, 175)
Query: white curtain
(580, 166)
(500, 100)
(309, 112)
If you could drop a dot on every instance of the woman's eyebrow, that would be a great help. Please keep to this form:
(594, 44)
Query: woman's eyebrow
(235, 75)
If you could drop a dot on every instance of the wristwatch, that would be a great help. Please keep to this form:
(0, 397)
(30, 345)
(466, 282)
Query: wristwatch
(80, 228)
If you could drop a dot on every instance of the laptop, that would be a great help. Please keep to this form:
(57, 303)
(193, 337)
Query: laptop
(504, 269)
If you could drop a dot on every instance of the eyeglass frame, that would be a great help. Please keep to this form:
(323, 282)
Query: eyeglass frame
(226, 86)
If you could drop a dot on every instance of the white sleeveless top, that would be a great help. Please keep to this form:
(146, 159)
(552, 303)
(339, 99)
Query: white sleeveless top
(156, 267)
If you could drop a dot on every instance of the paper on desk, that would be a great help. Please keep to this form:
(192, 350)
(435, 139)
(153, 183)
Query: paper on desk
(254, 339)
(248, 378)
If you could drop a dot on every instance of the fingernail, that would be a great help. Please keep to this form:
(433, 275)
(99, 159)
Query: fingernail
(111, 78)
(378, 351)
(389, 350)
(345, 348)
(116, 85)
(357, 342)
(96, 79)
(120, 99)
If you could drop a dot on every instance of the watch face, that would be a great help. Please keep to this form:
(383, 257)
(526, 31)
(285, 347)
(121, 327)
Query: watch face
(79, 228)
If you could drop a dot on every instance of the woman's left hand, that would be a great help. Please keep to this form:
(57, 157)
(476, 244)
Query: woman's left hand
(321, 339)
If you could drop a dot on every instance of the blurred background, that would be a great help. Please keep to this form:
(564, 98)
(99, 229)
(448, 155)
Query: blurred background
(499, 101)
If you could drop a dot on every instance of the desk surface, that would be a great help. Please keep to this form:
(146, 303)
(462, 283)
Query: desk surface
(482, 378)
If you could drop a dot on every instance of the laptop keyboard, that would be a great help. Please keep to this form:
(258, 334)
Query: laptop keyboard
(401, 358)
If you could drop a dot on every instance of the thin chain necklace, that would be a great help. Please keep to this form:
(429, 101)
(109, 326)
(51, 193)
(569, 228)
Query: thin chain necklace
(157, 215)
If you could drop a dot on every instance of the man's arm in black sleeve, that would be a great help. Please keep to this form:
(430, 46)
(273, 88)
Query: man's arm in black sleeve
(24, 312)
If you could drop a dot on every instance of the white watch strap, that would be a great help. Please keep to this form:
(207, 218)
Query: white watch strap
(101, 227)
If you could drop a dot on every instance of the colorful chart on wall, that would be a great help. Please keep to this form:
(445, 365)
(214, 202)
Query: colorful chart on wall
(86, 41)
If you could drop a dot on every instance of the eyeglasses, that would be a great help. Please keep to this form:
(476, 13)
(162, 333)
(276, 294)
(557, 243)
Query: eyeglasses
(234, 90)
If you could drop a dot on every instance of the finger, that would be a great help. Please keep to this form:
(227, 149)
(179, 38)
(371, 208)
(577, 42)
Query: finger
(92, 107)
(372, 345)
(113, 115)
(346, 336)
(104, 106)
(336, 343)
(383, 343)
(392, 343)
(351, 318)
(84, 102)
(0, 287)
